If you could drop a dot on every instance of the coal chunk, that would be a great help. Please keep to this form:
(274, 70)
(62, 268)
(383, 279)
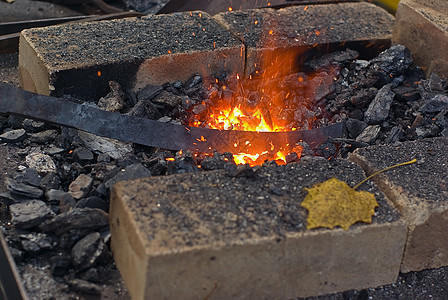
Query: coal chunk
(113, 101)
(145, 109)
(133, 171)
(393, 61)
(36, 242)
(370, 134)
(28, 214)
(149, 92)
(436, 104)
(355, 127)
(83, 155)
(379, 108)
(43, 137)
(88, 251)
(22, 189)
(81, 186)
(78, 218)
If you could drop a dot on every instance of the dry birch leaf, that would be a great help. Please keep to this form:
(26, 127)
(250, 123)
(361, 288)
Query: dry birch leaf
(334, 203)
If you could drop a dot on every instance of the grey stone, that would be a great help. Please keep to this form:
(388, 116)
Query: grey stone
(379, 108)
(28, 214)
(13, 136)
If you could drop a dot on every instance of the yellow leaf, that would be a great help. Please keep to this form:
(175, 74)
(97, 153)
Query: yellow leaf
(334, 203)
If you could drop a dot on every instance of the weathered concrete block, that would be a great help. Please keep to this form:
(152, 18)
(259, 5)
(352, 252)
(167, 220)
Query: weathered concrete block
(422, 26)
(297, 29)
(420, 192)
(80, 59)
(210, 235)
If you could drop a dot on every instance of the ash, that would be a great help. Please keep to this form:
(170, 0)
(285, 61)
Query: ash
(54, 205)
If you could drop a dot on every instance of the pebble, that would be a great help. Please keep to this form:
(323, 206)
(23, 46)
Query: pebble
(41, 162)
(28, 214)
(13, 136)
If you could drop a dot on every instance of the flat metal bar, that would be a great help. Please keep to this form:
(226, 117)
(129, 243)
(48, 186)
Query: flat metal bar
(10, 284)
(150, 132)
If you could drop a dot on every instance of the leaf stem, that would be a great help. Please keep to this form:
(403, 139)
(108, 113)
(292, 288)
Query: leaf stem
(386, 169)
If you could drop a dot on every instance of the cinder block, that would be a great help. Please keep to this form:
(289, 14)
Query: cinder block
(294, 30)
(80, 59)
(420, 192)
(422, 26)
(210, 235)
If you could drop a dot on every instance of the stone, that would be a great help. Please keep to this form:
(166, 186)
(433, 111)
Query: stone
(41, 162)
(420, 23)
(81, 186)
(379, 108)
(13, 136)
(268, 31)
(419, 191)
(29, 214)
(175, 236)
(168, 47)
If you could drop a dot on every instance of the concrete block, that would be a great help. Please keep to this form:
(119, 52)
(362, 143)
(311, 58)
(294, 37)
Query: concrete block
(419, 191)
(299, 29)
(210, 235)
(422, 26)
(80, 59)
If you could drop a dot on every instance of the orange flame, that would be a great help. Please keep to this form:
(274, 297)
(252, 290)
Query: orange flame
(232, 105)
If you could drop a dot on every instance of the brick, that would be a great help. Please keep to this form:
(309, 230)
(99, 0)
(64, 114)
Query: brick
(419, 191)
(297, 29)
(80, 59)
(422, 26)
(207, 234)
